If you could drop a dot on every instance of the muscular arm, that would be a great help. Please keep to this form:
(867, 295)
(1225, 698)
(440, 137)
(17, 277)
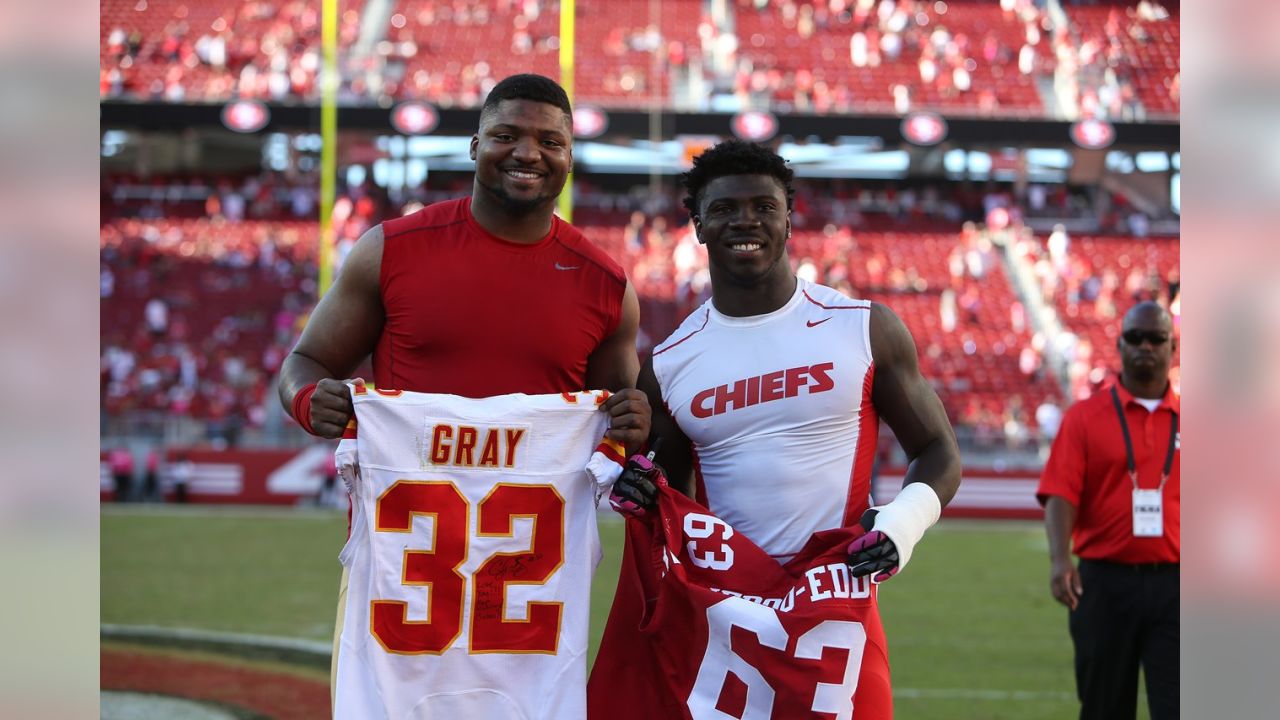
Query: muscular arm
(911, 408)
(613, 364)
(675, 455)
(1064, 579)
(341, 332)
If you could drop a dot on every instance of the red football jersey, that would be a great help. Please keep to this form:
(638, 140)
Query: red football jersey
(471, 314)
(706, 625)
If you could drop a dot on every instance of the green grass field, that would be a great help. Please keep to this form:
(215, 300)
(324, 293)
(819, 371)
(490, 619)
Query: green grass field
(973, 633)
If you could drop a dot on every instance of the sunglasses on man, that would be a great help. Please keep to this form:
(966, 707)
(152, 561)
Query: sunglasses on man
(1137, 337)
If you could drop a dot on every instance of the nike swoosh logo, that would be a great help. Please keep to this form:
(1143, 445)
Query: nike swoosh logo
(810, 323)
(567, 267)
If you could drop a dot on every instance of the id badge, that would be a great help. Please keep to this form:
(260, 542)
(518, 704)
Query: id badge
(1148, 513)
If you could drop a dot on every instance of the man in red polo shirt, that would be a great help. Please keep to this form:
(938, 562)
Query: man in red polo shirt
(1111, 491)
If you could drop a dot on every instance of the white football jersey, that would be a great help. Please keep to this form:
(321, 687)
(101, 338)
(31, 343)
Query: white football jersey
(778, 410)
(473, 543)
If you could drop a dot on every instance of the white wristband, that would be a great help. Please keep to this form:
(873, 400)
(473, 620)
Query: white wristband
(604, 471)
(905, 519)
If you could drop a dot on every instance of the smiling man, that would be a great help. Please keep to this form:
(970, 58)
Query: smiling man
(481, 296)
(767, 401)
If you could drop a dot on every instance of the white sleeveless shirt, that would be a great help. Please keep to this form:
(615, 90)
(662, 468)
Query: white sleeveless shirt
(778, 410)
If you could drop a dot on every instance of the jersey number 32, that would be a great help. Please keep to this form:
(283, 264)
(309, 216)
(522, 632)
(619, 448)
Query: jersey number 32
(436, 569)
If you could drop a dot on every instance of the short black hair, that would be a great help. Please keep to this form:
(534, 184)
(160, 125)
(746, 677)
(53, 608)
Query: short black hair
(527, 86)
(735, 157)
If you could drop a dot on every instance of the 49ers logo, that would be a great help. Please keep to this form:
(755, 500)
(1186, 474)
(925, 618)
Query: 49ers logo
(764, 388)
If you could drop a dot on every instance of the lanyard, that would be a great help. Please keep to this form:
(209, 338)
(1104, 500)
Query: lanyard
(1128, 442)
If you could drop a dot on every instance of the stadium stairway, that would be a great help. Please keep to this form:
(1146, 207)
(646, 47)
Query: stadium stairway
(374, 22)
(1049, 96)
(1042, 317)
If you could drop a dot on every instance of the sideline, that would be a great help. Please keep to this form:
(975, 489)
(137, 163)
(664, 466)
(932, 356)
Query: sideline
(266, 512)
(975, 694)
(292, 651)
(316, 654)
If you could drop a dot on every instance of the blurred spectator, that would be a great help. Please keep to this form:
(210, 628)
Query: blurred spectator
(157, 316)
(633, 233)
(947, 310)
(858, 49)
(901, 99)
(1139, 225)
(120, 463)
(1048, 420)
(978, 258)
(331, 493)
(956, 266)
(970, 303)
(1015, 426)
(960, 78)
(181, 472)
(807, 270)
(1059, 244)
(151, 479)
(1027, 59)
(1036, 198)
(1029, 363)
(106, 282)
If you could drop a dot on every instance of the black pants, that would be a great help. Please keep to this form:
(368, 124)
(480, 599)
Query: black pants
(122, 486)
(1127, 616)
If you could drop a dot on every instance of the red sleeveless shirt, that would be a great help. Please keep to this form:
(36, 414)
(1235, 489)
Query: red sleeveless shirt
(471, 314)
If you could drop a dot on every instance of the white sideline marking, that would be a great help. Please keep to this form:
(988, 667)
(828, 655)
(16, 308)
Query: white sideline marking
(975, 694)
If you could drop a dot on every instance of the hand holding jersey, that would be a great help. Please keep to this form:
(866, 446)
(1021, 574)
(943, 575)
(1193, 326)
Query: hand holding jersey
(323, 408)
(628, 411)
(636, 490)
(893, 531)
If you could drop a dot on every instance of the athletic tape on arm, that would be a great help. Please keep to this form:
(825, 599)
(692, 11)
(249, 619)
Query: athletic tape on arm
(905, 519)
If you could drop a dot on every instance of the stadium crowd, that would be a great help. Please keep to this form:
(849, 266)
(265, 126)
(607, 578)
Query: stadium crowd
(197, 315)
(205, 283)
(1015, 58)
